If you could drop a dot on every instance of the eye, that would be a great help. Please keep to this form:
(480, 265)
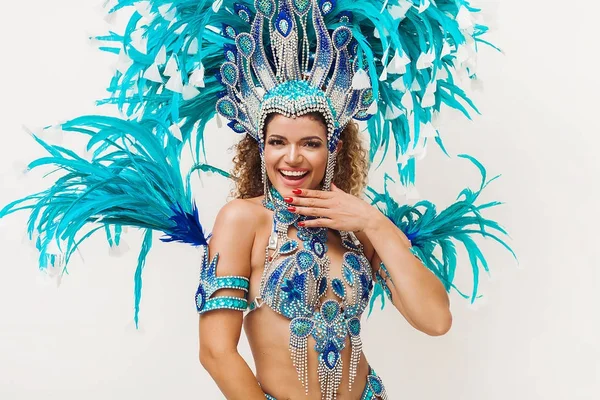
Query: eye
(315, 144)
(275, 142)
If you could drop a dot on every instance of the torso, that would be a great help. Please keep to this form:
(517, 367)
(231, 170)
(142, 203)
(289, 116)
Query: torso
(268, 331)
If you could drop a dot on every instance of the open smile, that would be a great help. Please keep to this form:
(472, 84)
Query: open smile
(293, 177)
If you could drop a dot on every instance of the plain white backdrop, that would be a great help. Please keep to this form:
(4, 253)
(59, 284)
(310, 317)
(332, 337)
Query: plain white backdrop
(535, 335)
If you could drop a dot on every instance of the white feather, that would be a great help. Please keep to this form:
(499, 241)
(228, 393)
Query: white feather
(393, 112)
(144, 8)
(399, 85)
(161, 56)
(139, 41)
(193, 49)
(197, 77)
(464, 19)
(425, 60)
(397, 65)
(217, 5)
(176, 132)
(171, 69)
(175, 84)
(153, 74)
(361, 80)
(167, 11)
(189, 92)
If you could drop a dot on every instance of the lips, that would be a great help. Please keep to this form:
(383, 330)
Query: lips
(293, 178)
(293, 174)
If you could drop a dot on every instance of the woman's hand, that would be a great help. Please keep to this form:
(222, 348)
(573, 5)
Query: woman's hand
(335, 209)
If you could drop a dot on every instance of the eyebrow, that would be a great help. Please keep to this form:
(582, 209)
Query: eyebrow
(304, 138)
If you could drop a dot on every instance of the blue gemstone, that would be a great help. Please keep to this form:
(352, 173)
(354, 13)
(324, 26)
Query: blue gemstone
(245, 44)
(200, 298)
(330, 355)
(341, 37)
(284, 22)
(301, 6)
(265, 7)
(227, 108)
(327, 6)
(288, 247)
(348, 275)
(375, 383)
(322, 286)
(354, 326)
(330, 310)
(338, 288)
(317, 246)
(350, 244)
(229, 73)
(302, 326)
(353, 261)
(285, 217)
(305, 261)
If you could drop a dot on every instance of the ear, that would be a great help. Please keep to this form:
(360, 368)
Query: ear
(339, 146)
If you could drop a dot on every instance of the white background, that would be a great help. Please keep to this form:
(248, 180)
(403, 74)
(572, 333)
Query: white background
(535, 335)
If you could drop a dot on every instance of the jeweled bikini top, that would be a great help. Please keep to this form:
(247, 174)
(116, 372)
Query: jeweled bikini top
(294, 284)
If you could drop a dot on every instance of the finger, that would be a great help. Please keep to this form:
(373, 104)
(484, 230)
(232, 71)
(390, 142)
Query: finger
(318, 223)
(319, 194)
(312, 212)
(334, 188)
(310, 202)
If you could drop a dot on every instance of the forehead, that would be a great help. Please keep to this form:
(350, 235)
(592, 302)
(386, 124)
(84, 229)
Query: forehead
(296, 128)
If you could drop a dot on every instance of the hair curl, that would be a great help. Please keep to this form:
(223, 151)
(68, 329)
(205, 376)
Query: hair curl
(350, 171)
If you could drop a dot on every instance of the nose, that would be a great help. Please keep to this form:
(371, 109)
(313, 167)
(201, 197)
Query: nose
(293, 156)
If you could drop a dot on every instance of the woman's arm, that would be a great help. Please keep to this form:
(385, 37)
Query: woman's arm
(219, 330)
(415, 291)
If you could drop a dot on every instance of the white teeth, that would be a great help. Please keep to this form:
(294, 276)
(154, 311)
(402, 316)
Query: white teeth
(293, 173)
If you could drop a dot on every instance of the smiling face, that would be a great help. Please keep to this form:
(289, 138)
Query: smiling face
(295, 153)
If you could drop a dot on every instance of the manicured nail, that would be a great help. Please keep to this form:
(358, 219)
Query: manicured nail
(301, 223)
(297, 191)
(291, 209)
(288, 199)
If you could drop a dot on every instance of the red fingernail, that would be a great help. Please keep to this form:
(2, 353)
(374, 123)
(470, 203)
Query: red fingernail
(301, 223)
(288, 199)
(297, 191)
(292, 209)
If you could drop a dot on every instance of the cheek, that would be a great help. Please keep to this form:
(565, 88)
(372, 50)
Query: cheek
(318, 160)
(270, 158)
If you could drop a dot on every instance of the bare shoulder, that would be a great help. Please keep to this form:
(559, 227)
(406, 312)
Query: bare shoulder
(242, 216)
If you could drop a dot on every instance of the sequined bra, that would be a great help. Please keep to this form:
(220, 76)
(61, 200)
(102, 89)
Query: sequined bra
(294, 284)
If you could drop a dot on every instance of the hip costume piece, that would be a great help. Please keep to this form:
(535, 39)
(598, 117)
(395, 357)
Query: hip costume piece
(391, 64)
(374, 389)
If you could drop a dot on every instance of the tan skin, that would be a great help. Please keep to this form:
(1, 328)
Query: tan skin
(244, 225)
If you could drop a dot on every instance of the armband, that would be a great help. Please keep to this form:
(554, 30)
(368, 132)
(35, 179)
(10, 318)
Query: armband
(382, 280)
(210, 283)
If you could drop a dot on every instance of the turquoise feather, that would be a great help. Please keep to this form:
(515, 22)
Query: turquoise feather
(414, 34)
(459, 223)
(131, 180)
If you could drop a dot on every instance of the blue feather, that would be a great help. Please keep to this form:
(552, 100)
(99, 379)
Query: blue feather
(458, 223)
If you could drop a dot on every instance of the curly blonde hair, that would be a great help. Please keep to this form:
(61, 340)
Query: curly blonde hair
(350, 171)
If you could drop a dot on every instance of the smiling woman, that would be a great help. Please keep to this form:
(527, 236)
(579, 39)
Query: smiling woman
(300, 238)
(352, 159)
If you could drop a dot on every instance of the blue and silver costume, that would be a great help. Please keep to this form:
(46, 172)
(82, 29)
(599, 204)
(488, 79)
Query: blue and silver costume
(391, 63)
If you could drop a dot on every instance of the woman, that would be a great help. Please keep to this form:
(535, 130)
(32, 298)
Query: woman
(298, 247)
(296, 158)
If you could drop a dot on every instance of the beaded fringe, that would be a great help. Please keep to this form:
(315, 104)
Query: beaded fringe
(299, 353)
(356, 344)
(329, 379)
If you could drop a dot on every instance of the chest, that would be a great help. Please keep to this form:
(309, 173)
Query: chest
(304, 268)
